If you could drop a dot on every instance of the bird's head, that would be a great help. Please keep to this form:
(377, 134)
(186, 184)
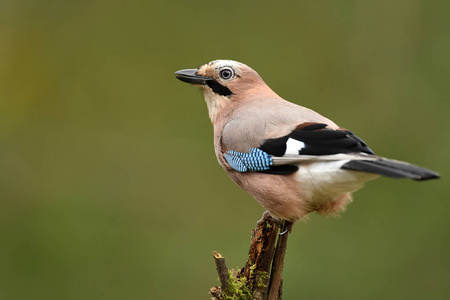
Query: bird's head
(225, 84)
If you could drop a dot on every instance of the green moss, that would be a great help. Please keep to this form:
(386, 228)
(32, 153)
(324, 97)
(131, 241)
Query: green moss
(252, 270)
(237, 288)
(263, 280)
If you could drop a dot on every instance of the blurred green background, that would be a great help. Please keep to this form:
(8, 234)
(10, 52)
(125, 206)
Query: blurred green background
(109, 187)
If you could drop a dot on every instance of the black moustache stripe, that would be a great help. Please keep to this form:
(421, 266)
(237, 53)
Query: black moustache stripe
(218, 88)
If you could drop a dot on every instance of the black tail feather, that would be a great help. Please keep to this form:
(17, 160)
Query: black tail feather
(391, 168)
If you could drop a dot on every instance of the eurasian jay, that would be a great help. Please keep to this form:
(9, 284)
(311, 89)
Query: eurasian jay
(292, 160)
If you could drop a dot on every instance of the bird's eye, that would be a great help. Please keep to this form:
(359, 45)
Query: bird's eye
(226, 73)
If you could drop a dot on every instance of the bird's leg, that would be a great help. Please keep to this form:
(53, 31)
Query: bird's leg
(287, 227)
(267, 217)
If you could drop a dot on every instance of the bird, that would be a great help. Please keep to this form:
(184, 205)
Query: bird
(291, 159)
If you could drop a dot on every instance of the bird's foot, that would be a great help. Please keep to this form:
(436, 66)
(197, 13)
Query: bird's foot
(287, 227)
(267, 217)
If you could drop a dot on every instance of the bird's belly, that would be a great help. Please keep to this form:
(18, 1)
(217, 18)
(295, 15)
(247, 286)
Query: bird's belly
(321, 187)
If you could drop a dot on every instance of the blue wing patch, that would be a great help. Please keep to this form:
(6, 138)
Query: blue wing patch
(254, 161)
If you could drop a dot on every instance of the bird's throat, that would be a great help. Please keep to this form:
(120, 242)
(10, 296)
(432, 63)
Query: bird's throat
(216, 103)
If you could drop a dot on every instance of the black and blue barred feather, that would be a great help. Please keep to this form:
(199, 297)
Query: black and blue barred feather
(254, 161)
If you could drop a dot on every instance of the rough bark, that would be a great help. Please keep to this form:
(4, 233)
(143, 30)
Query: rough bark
(261, 277)
(222, 269)
(276, 280)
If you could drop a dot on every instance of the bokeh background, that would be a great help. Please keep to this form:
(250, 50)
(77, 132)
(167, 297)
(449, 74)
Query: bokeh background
(109, 187)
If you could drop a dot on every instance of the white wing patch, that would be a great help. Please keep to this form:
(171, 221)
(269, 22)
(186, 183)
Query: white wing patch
(294, 146)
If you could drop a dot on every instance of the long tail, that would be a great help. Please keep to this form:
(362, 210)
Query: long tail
(391, 168)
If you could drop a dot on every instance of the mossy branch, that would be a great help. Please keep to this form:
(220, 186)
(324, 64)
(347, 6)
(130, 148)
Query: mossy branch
(261, 277)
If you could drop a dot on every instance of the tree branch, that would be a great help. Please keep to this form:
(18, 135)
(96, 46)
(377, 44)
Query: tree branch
(261, 277)
(276, 280)
(222, 269)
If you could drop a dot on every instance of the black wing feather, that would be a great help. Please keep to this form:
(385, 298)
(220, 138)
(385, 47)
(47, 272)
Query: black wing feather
(275, 147)
(391, 168)
(318, 140)
(281, 170)
(312, 126)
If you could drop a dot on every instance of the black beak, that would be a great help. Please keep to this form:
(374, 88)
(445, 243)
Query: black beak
(190, 76)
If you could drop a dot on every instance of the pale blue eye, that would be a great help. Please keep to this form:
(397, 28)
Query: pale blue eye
(226, 73)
